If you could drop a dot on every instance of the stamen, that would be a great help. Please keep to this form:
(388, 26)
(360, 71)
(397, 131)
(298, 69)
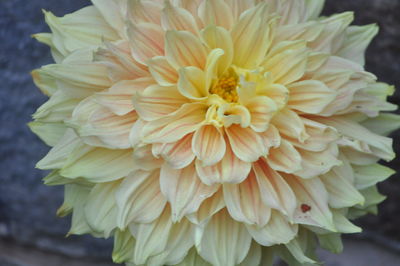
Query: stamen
(226, 89)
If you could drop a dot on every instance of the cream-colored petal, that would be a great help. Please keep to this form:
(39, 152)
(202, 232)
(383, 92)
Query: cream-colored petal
(176, 18)
(100, 208)
(334, 25)
(192, 83)
(277, 231)
(184, 49)
(368, 175)
(246, 144)
(139, 198)
(98, 164)
(342, 193)
(318, 163)
(261, 109)
(216, 12)
(162, 71)
(356, 42)
(310, 96)
(287, 63)
(144, 159)
(252, 36)
(172, 128)
(112, 11)
(57, 156)
(275, 192)
(144, 11)
(193, 259)
(253, 258)
(218, 37)
(146, 40)
(379, 145)
(284, 158)
(239, 6)
(178, 154)
(157, 101)
(207, 209)
(183, 190)
(311, 193)
(119, 97)
(230, 170)
(271, 137)
(224, 242)
(209, 145)
(119, 61)
(244, 203)
(290, 124)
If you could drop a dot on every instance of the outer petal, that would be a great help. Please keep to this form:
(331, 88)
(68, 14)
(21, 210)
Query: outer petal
(216, 12)
(284, 158)
(224, 242)
(179, 154)
(209, 145)
(277, 231)
(176, 18)
(310, 96)
(157, 102)
(98, 164)
(139, 198)
(144, 11)
(171, 128)
(289, 123)
(184, 190)
(244, 202)
(274, 190)
(312, 193)
(146, 40)
(100, 208)
(162, 71)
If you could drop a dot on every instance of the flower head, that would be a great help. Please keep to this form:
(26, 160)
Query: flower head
(213, 132)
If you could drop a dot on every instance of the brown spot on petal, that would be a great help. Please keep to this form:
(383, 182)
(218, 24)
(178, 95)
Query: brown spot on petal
(305, 208)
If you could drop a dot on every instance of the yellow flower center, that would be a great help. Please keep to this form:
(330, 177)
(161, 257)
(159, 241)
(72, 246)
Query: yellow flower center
(226, 89)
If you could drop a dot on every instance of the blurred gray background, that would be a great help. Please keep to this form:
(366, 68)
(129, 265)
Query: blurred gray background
(30, 234)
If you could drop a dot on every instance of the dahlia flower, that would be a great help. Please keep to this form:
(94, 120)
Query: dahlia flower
(213, 132)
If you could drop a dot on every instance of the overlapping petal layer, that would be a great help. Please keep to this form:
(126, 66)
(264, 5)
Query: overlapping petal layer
(213, 132)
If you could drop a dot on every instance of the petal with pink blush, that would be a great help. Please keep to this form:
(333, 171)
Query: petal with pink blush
(261, 110)
(208, 208)
(277, 231)
(143, 158)
(184, 190)
(224, 241)
(289, 124)
(310, 96)
(271, 137)
(244, 202)
(216, 12)
(182, 49)
(178, 154)
(144, 11)
(312, 193)
(246, 144)
(146, 40)
(176, 18)
(285, 158)
(139, 198)
(162, 71)
(157, 101)
(209, 145)
(173, 127)
(275, 192)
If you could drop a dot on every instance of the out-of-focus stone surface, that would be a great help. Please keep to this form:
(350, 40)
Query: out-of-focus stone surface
(27, 208)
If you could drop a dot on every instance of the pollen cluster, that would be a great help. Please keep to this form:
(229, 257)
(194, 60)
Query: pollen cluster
(226, 89)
